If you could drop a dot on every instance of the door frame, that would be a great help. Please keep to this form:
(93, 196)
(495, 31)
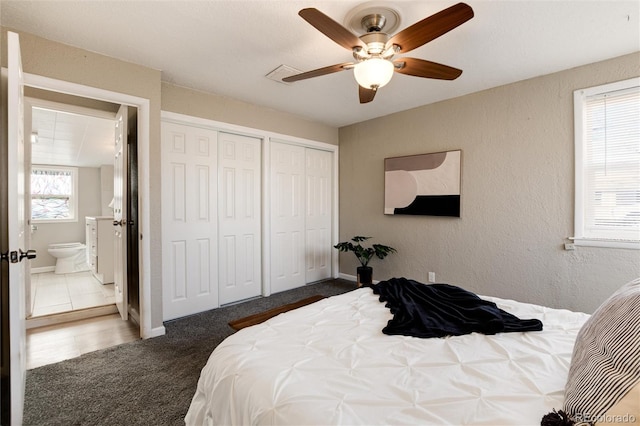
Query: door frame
(143, 106)
(267, 137)
(30, 103)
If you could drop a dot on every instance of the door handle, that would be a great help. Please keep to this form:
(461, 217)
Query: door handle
(119, 222)
(10, 256)
(29, 254)
(14, 257)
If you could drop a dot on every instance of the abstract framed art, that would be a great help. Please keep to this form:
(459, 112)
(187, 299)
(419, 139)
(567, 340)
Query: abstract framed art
(424, 184)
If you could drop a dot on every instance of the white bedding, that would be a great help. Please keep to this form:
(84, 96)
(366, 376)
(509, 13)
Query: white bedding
(329, 363)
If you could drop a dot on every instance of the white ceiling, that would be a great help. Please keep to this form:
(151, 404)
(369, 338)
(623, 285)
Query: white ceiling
(227, 47)
(71, 139)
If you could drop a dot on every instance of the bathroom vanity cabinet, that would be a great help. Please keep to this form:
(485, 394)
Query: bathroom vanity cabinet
(100, 247)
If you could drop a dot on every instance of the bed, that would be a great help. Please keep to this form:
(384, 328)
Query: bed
(329, 363)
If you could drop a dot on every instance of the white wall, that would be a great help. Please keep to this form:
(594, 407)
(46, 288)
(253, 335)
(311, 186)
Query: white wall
(106, 189)
(517, 193)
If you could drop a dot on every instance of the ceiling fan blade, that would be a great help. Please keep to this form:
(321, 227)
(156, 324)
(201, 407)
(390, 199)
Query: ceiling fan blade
(366, 95)
(331, 28)
(427, 69)
(318, 72)
(432, 27)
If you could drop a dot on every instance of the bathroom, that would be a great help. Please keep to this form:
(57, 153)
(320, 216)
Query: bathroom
(72, 180)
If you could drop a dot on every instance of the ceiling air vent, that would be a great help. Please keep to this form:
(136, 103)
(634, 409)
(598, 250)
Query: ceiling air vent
(281, 72)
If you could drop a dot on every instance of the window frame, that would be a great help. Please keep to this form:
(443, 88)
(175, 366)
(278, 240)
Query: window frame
(581, 237)
(73, 198)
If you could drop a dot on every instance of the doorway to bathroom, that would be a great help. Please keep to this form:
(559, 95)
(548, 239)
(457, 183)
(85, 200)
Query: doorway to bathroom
(71, 179)
(75, 195)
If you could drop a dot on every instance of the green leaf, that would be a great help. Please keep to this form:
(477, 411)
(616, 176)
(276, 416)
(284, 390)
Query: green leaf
(364, 255)
(359, 239)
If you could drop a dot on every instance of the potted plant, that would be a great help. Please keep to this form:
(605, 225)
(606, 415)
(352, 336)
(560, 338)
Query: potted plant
(364, 255)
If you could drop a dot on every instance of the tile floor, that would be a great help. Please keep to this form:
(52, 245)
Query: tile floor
(66, 292)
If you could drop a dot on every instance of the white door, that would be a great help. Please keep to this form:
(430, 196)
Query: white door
(287, 216)
(318, 221)
(120, 223)
(189, 220)
(29, 291)
(239, 196)
(16, 227)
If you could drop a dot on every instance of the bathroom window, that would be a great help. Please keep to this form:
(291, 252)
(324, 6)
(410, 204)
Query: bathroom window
(54, 194)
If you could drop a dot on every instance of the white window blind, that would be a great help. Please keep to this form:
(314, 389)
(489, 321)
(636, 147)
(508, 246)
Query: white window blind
(53, 194)
(608, 162)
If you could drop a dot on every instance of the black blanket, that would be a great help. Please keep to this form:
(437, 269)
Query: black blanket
(438, 310)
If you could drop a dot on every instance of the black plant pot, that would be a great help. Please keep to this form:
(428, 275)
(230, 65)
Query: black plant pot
(365, 275)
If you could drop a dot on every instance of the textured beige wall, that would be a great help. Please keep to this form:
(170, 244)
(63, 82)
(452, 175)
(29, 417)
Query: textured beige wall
(517, 193)
(219, 108)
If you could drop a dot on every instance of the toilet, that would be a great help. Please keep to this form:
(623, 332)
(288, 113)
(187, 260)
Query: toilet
(70, 257)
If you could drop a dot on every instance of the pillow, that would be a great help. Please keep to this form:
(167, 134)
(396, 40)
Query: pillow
(624, 413)
(605, 365)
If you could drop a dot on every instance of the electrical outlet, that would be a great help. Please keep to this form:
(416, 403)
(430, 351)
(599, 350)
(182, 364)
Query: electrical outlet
(432, 277)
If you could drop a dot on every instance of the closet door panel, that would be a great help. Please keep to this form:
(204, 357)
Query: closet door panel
(240, 217)
(287, 216)
(189, 221)
(318, 223)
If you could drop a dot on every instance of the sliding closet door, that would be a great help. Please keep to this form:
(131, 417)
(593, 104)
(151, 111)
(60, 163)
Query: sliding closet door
(318, 173)
(239, 195)
(301, 215)
(287, 216)
(189, 222)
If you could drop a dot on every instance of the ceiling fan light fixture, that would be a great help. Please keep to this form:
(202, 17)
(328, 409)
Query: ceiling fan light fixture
(374, 50)
(373, 73)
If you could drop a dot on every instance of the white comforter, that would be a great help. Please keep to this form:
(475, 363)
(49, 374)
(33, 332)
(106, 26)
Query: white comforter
(329, 363)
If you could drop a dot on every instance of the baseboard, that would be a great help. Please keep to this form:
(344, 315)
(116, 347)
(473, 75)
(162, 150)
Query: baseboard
(134, 315)
(43, 269)
(347, 277)
(156, 332)
(353, 278)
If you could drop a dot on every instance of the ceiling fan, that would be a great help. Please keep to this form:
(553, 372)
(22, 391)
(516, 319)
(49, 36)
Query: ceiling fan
(374, 50)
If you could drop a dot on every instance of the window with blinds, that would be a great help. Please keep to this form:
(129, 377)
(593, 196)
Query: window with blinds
(53, 194)
(608, 164)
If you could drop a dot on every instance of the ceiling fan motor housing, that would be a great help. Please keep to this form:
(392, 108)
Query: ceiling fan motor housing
(374, 22)
(375, 41)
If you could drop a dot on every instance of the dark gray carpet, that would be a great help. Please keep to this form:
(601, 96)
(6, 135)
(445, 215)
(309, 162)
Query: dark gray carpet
(146, 382)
